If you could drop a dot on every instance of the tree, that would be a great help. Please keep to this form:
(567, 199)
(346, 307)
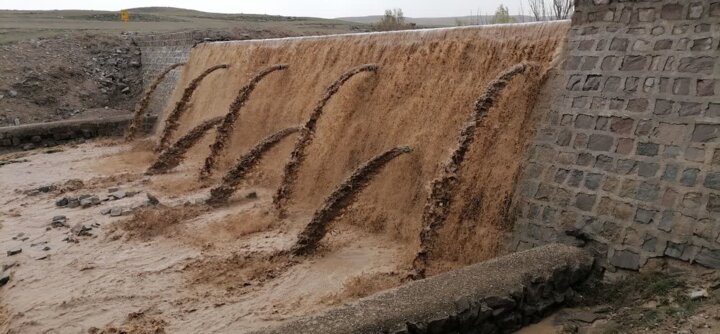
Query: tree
(562, 9)
(555, 9)
(394, 19)
(538, 9)
(502, 15)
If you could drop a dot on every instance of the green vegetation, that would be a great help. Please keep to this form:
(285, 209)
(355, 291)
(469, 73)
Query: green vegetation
(502, 15)
(394, 19)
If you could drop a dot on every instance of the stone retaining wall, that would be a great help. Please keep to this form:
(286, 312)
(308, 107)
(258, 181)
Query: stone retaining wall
(498, 296)
(162, 50)
(628, 154)
(26, 137)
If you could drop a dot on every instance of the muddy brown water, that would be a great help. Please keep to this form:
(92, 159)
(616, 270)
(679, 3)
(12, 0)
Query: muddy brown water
(423, 92)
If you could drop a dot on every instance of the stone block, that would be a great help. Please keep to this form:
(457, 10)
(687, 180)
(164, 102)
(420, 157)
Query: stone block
(695, 154)
(670, 174)
(648, 169)
(645, 216)
(672, 12)
(712, 180)
(648, 149)
(689, 177)
(715, 9)
(706, 87)
(705, 132)
(667, 221)
(704, 65)
(626, 166)
(696, 11)
(690, 109)
(584, 121)
(692, 200)
(702, 44)
(625, 146)
(670, 134)
(681, 86)
(599, 142)
(713, 203)
(648, 191)
(592, 83)
(585, 202)
(713, 110)
(664, 44)
(709, 258)
(634, 63)
(619, 44)
(593, 181)
(625, 259)
(622, 125)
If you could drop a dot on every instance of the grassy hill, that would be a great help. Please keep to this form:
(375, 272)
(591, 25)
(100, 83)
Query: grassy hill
(18, 25)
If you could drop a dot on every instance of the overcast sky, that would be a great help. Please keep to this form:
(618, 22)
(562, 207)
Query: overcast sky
(318, 8)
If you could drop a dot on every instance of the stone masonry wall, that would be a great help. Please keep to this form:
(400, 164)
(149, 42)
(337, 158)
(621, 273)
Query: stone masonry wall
(32, 136)
(628, 153)
(162, 50)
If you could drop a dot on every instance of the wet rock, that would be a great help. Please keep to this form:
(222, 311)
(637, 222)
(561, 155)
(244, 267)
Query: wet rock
(59, 221)
(116, 212)
(73, 203)
(61, 203)
(152, 200)
(118, 195)
(7, 266)
(81, 230)
(14, 251)
(4, 279)
(90, 201)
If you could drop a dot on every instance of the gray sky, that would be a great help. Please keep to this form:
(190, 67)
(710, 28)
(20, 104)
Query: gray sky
(318, 8)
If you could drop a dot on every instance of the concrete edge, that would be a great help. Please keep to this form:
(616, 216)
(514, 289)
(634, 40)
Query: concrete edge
(500, 295)
(30, 136)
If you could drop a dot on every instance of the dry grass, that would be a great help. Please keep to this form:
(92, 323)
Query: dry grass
(363, 286)
(148, 223)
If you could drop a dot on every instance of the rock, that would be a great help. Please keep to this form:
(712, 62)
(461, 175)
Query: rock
(112, 190)
(116, 212)
(59, 221)
(62, 202)
(16, 121)
(46, 248)
(13, 93)
(81, 230)
(4, 279)
(118, 195)
(73, 203)
(698, 294)
(7, 266)
(105, 211)
(252, 195)
(152, 200)
(90, 201)
(14, 251)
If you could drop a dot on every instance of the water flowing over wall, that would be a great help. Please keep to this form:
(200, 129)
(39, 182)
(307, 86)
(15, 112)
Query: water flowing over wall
(424, 90)
(627, 156)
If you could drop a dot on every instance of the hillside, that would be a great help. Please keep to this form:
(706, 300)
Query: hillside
(436, 21)
(19, 25)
